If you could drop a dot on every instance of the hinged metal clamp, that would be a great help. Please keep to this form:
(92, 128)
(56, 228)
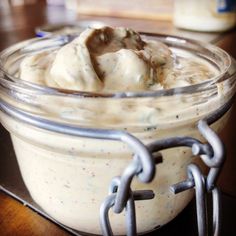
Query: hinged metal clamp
(212, 154)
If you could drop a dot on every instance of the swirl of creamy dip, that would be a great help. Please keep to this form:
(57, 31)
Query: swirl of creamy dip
(112, 59)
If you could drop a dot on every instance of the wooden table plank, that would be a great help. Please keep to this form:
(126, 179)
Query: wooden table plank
(17, 220)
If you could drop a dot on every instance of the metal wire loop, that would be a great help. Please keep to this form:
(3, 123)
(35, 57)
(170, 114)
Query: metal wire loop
(216, 211)
(205, 184)
(216, 161)
(123, 185)
(129, 211)
(195, 180)
(217, 146)
(123, 197)
(104, 218)
(194, 174)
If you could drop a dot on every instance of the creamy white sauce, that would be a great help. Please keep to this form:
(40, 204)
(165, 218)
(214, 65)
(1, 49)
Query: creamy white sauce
(107, 59)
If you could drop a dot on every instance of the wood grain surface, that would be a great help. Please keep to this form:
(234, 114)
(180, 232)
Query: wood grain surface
(17, 220)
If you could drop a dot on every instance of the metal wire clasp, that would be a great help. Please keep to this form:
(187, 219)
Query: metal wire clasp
(109, 202)
(205, 184)
(212, 154)
(121, 196)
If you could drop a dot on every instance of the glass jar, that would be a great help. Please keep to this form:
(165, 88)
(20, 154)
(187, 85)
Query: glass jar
(68, 176)
(207, 16)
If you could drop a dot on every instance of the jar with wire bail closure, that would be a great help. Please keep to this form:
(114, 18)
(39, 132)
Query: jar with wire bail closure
(68, 173)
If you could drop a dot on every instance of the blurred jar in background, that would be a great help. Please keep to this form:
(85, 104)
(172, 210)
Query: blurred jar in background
(205, 15)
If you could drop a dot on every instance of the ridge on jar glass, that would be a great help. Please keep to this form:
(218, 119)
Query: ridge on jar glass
(65, 174)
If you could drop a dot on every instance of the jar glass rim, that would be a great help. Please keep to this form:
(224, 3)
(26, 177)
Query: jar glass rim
(228, 69)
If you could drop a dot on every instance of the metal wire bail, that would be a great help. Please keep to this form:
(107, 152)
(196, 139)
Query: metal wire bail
(130, 214)
(205, 184)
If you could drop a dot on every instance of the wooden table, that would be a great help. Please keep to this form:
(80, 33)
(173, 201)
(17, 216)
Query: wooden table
(17, 24)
